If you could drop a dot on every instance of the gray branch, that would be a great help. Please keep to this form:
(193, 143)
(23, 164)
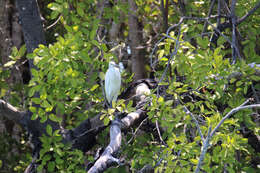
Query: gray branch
(211, 133)
(108, 157)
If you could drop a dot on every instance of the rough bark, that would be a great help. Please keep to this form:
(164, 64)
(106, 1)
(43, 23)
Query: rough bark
(10, 35)
(5, 33)
(108, 157)
(31, 25)
(164, 11)
(135, 37)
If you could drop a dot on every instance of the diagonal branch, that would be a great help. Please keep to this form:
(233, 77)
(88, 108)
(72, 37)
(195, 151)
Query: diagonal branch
(211, 133)
(10, 112)
(187, 111)
(232, 112)
(248, 14)
(108, 159)
(209, 14)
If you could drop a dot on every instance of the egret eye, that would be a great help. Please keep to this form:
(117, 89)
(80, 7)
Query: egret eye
(112, 82)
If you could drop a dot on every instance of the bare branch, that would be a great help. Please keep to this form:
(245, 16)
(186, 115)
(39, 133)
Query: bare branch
(10, 112)
(187, 111)
(248, 14)
(232, 112)
(235, 51)
(53, 24)
(140, 125)
(219, 12)
(225, 37)
(176, 47)
(107, 159)
(159, 132)
(209, 13)
(203, 150)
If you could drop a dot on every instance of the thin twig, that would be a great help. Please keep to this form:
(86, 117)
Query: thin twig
(248, 14)
(209, 13)
(233, 21)
(159, 132)
(136, 130)
(50, 26)
(225, 37)
(187, 111)
(232, 112)
(176, 47)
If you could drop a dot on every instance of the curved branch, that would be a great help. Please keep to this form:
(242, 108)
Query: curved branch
(10, 112)
(107, 159)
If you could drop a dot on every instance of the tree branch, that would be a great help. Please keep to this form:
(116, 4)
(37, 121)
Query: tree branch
(211, 133)
(235, 51)
(209, 14)
(203, 150)
(232, 112)
(107, 159)
(248, 14)
(187, 111)
(10, 112)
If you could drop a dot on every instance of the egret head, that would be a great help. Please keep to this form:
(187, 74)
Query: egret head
(112, 64)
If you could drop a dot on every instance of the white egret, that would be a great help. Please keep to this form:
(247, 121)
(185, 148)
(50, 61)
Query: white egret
(113, 81)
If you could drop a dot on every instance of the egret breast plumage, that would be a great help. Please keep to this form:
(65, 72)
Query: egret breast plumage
(112, 82)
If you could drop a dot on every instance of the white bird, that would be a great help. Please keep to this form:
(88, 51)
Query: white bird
(112, 82)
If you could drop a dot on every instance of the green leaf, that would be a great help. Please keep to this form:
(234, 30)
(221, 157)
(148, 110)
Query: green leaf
(203, 42)
(55, 118)
(160, 100)
(94, 87)
(239, 83)
(160, 53)
(49, 130)
(92, 34)
(106, 120)
(36, 100)
(32, 109)
(51, 166)
(46, 157)
(232, 80)
(9, 63)
(255, 78)
(80, 11)
(102, 76)
(55, 7)
(194, 161)
(34, 116)
(163, 83)
(21, 52)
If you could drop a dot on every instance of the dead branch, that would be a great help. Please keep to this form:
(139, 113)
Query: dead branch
(211, 133)
(108, 159)
(10, 112)
(240, 20)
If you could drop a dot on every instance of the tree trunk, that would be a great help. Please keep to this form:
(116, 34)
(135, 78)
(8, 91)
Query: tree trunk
(31, 25)
(137, 52)
(5, 35)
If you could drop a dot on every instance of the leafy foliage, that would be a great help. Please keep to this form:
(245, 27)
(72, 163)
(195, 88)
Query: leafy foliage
(66, 87)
